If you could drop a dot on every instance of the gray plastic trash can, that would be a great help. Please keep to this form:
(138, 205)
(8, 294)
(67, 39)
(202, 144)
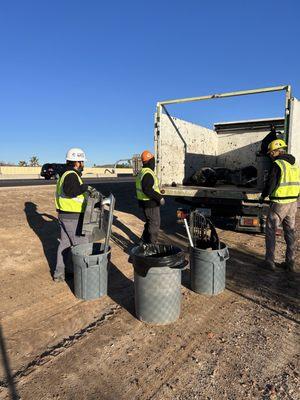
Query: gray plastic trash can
(90, 270)
(208, 269)
(157, 283)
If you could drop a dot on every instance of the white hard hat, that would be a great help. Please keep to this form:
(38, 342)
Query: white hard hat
(75, 154)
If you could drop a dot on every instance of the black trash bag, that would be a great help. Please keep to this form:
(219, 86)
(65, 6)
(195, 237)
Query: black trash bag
(246, 176)
(204, 177)
(223, 174)
(209, 177)
(248, 172)
(149, 256)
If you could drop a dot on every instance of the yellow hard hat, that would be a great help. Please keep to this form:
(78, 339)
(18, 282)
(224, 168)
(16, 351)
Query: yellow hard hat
(276, 144)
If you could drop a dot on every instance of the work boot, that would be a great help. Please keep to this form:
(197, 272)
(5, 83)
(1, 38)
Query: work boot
(282, 265)
(270, 265)
(147, 249)
(59, 278)
(288, 266)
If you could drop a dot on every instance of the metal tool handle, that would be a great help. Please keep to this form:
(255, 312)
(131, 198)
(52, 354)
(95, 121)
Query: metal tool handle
(188, 232)
(110, 200)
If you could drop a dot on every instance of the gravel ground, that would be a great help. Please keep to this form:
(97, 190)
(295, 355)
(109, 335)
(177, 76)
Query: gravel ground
(241, 344)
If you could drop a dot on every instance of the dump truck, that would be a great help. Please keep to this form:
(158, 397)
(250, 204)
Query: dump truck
(182, 148)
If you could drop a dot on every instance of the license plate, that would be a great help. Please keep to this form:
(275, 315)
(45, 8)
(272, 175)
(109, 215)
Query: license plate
(249, 221)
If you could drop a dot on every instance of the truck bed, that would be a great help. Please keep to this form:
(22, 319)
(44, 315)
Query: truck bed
(219, 191)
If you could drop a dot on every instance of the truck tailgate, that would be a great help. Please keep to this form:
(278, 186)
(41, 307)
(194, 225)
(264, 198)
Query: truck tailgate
(219, 191)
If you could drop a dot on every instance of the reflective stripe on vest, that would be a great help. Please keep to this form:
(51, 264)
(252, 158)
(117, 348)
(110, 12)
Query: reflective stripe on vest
(138, 184)
(288, 189)
(70, 204)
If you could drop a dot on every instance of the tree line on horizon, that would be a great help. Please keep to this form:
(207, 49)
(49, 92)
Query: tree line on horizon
(33, 162)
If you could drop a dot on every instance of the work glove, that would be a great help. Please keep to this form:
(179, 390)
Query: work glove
(92, 191)
(162, 201)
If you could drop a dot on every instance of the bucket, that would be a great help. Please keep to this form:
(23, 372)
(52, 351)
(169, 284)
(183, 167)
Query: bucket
(90, 270)
(208, 269)
(157, 282)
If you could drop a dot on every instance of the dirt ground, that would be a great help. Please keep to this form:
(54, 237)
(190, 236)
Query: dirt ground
(241, 344)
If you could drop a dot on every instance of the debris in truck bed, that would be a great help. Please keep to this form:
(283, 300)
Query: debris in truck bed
(210, 177)
(204, 177)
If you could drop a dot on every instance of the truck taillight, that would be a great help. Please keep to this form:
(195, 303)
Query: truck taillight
(182, 214)
(249, 221)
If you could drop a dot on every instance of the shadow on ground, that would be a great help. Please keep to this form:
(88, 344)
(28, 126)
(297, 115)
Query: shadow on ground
(278, 291)
(46, 227)
(125, 243)
(121, 289)
(8, 380)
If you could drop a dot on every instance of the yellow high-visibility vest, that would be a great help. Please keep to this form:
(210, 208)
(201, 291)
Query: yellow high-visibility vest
(288, 189)
(70, 204)
(138, 184)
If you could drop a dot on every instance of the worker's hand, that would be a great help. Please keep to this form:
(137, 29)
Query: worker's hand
(92, 191)
(162, 201)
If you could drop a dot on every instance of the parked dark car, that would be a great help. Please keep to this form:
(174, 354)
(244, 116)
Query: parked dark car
(52, 170)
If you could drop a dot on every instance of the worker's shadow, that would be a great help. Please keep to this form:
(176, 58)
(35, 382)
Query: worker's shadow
(125, 243)
(121, 289)
(9, 377)
(276, 291)
(46, 227)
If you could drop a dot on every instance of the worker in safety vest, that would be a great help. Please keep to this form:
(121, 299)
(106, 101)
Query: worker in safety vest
(70, 201)
(149, 197)
(283, 189)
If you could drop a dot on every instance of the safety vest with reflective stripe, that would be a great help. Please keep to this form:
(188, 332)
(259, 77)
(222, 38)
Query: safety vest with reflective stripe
(138, 183)
(288, 189)
(70, 204)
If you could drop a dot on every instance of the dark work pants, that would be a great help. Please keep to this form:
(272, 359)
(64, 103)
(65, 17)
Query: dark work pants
(152, 224)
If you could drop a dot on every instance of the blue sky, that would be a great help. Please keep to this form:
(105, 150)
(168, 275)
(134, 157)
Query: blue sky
(89, 73)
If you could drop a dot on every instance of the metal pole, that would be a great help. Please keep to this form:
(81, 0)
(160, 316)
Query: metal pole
(157, 142)
(287, 117)
(110, 201)
(221, 95)
(188, 232)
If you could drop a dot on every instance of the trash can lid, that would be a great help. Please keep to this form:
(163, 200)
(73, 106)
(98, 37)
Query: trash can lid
(98, 216)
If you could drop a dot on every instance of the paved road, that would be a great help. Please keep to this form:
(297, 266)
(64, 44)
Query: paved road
(34, 182)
